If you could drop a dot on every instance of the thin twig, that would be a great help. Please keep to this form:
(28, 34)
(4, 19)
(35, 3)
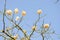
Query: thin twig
(42, 36)
(31, 33)
(4, 15)
(4, 20)
(16, 25)
(20, 20)
(35, 25)
(8, 35)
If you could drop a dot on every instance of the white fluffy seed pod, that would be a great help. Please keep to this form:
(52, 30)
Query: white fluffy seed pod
(17, 18)
(16, 11)
(39, 11)
(46, 25)
(23, 13)
(9, 12)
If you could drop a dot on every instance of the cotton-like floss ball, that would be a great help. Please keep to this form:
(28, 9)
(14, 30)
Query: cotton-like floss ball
(46, 25)
(15, 37)
(16, 11)
(39, 11)
(24, 38)
(17, 18)
(23, 13)
(8, 28)
(9, 12)
(34, 28)
(28, 37)
(24, 31)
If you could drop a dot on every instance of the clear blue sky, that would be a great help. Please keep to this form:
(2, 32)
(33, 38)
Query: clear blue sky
(31, 6)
